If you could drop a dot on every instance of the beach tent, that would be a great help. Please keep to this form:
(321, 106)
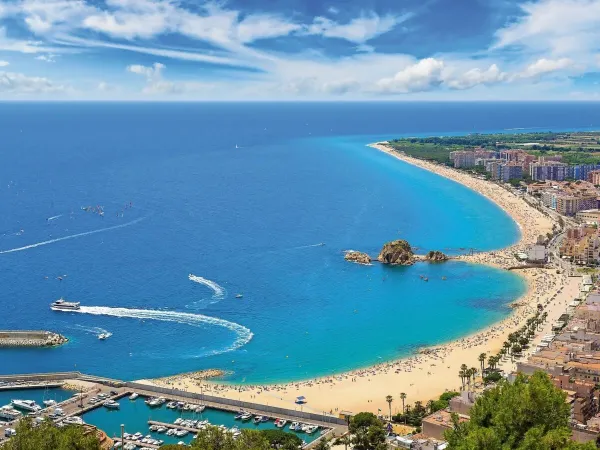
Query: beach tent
(301, 400)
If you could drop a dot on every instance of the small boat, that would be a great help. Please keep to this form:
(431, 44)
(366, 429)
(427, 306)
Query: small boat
(239, 296)
(171, 432)
(111, 404)
(312, 428)
(246, 417)
(73, 420)
(200, 408)
(257, 419)
(134, 396)
(103, 336)
(294, 426)
(161, 429)
(264, 419)
(425, 279)
(172, 405)
(239, 415)
(48, 403)
(280, 423)
(181, 433)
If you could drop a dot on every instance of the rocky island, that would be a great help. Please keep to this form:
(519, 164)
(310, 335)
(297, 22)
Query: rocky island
(31, 339)
(358, 257)
(396, 253)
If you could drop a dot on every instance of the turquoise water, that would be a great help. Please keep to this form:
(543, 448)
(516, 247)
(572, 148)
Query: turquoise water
(38, 395)
(246, 220)
(136, 414)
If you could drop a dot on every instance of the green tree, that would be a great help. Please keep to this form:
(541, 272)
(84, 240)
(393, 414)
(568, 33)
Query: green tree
(389, 399)
(46, 436)
(213, 438)
(403, 398)
(280, 438)
(368, 432)
(529, 414)
(344, 440)
(322, 445)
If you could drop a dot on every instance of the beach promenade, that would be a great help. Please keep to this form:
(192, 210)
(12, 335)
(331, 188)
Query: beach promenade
(431, 372)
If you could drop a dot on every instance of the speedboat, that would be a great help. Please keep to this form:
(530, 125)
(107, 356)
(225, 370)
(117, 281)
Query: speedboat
(246, 417)
(239, 415)
(312, 428)
(111, 404)
(181, 433)
(200, 408)
(239, 296)
(103, 336)
(48, 403)
(171, 432)
(134, 396)
(63, 305)
(280, 423)
(161, 429)
(257, 419)
(27, 405)
(294, 426)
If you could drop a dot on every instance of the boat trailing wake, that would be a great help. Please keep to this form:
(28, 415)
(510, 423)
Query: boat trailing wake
(97, 331)
(73, 236)
(244, 335)
(50, 219)
(218, 291)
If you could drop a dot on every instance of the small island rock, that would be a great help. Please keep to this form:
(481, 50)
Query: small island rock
(358, 257)
(436, 256)
(397, 253)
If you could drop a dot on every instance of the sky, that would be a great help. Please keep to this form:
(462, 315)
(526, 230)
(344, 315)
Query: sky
(326, 50)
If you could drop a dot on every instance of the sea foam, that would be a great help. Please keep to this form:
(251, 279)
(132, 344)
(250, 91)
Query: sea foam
(218, 291)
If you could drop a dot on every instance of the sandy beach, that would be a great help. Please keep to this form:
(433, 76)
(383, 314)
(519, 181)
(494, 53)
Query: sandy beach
(427, 375)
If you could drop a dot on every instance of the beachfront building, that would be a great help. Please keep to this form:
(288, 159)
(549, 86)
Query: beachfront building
(580, 396)
(555, 171)
(463, 159)
(494, 168)
(588, 216)
(437, 423)
(511, 171)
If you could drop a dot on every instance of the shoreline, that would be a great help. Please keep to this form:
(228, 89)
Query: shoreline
(433, 370)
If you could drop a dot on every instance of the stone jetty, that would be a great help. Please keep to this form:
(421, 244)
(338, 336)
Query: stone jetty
(13, 338)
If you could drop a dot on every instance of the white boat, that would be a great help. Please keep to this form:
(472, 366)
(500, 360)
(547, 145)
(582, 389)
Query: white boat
(48, 403)
(134, 396)
(171, 432)
(294, 426)
(246, 417)
(171, 405)
(73, 420)
(63, 305)
(280, 423)
(200, 408)
(103, 336)
(181, 433)
(239, 296)
(111, 404)
(161, 429)
(27, 405)
(312, 428)
(9, 413)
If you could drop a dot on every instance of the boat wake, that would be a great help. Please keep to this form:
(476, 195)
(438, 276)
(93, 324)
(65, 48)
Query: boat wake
(96, 331)
(218, 291)
(50, 219)
(73, 236)
(320, 244)
(244, 335)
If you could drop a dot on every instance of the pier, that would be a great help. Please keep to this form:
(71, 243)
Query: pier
(27, 338)
(136, 443)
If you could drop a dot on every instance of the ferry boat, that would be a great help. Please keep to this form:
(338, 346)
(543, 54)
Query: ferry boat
(62, 305)
(27, 405)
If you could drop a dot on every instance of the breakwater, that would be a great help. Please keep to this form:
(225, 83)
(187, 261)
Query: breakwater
(12, 338)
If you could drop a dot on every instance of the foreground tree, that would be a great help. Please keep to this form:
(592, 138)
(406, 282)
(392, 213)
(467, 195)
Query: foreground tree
(389, 399)
(46, 436)
(368, 432)
(529, 414)
(213, 438)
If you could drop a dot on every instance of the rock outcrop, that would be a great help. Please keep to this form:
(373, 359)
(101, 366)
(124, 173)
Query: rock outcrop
(357, 257)
(436, 256)
(396, 253)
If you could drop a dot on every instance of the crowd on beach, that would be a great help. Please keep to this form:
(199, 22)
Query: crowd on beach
(543, 287)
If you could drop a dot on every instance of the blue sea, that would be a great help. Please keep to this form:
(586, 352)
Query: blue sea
(156, 216)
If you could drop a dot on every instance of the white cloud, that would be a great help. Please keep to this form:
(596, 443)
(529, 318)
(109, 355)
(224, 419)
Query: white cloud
(263, 26)
(475, 77)
(559, 27)
(421, 76)
(4, 63)
(543, 66)
(155, 84)
(49, 58)
(153, 71)
(18, 83)
(358, 30)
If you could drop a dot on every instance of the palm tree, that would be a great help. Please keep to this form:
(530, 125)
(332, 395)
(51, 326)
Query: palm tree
(473, 373)
(344, 440)
(482, 358)
(461, 375)
(389, 399)
(430, 406)
(403, 397)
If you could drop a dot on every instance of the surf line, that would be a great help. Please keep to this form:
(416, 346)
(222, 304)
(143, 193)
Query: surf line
(73, 236)
(218, 291)
(244, 335)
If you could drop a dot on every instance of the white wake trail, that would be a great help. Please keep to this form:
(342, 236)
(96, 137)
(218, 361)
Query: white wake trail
(218, 291)
(73, 236)
(53, 218)
(244, 335)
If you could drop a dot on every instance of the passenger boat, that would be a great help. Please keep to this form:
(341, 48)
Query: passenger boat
(27, 405)
(62, 305)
